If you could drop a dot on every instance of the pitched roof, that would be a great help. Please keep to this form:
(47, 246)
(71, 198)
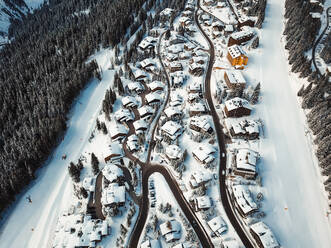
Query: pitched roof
(265, 234)
(246, 159)
(111, 172)
(174, 152)
(243, 198)
(217, 224)
(235, 51)
(235, 76)
(113, 194)
(236, 103)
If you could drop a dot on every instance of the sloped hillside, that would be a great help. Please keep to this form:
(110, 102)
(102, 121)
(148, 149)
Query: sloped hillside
(301, 30)
(14, 9)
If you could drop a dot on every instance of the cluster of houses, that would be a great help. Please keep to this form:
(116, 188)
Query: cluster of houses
(237, 123)
(79, 230)
(113, 189)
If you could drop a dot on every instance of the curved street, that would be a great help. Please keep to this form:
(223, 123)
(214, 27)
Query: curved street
(220, 137)
(147, 170)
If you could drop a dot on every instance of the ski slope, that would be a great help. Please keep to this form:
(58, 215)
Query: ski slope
(294, 202)
(32, 224)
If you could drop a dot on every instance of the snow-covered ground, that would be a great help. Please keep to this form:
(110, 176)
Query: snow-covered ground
(164, 196)
(294, 203)
(31, 224)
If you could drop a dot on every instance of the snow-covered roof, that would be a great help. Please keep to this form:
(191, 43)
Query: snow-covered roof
(129, 100)
(132, 142)
(111, 172)
(246, 126)
(175, 48)
(199, 52)
(198, 177)
(217, 224)
(148, 41)
(242, 34)
(246, 160)
(237, 102)
(235, 51)
(166, 12)
(140, 125)
(155, 85)
(147, 62)
(117, 129)
(113, 194)
(171, 57)
(185, 55)
(145, 110)
(204, 153)
(174, 152)
(198, 59)
(175, 99)
(68, 227)
(139, 74)
(135, 86)
(218, 23)
(175, 64)
(172, 111)
(195, 66)
(184, 19)
(265, 234)
(203, 122)
(195, 87)
(235, 77)
(243, 198)
(193, 96)
(154, 243)
(205, 17)
(203, 202)
(123, 115)
(228, 28)
(153, 97)
(172, 129)
(115, 149)
(197, 107)
(166, 228)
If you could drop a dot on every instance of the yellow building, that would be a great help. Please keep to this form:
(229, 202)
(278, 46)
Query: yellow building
(236, 56)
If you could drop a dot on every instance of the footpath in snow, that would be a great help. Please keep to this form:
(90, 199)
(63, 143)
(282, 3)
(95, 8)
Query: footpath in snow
(31, 224)
(294, 202)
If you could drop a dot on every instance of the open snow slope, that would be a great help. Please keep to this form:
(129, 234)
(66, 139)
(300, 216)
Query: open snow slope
(294, 203)
(31, 224)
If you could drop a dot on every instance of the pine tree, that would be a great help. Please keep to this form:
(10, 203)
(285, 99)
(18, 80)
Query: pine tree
(83, 192)
(300, 92)
(74, 172)
(104, 128)
(95, 164)
(256, 93)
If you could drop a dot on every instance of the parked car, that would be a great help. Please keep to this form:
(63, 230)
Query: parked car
(152, 193)
(151, 184)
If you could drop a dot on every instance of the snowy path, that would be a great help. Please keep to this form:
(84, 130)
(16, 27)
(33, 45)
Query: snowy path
(294, 202)
(31, 225)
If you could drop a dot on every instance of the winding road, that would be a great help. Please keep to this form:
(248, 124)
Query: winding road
(147, 170)
(328, 16)
(220, 137)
